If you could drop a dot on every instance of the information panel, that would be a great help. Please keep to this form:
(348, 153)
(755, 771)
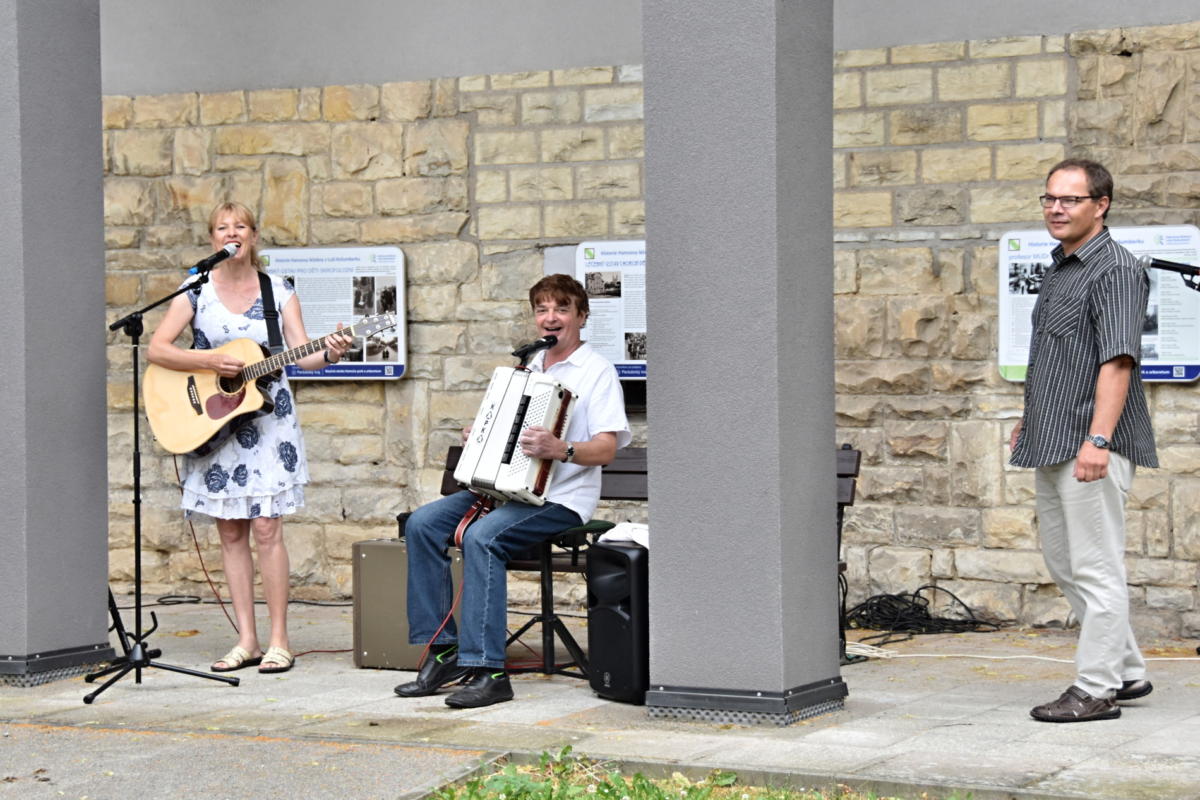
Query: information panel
(614, 276)
(1171, 336)
(346, 284)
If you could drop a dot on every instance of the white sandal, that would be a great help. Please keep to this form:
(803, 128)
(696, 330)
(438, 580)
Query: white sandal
(276, 660)
(237, 658)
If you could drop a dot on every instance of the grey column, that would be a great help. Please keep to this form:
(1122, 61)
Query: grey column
(743, 598)
(53, 476)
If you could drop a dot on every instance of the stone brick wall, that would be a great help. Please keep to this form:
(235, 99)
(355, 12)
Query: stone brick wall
(938, 148)
(472, 177)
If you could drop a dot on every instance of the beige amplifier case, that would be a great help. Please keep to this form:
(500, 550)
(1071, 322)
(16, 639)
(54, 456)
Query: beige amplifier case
(380, 601)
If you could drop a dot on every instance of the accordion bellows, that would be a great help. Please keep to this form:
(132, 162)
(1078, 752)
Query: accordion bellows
(492, 461)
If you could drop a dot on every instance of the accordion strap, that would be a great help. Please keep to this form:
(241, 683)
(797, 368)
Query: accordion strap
(478, 510)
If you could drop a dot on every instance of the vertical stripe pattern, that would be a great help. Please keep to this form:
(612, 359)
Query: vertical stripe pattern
(1090, 309)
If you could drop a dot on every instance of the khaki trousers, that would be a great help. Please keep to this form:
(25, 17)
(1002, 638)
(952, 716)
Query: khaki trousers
(1082, 528)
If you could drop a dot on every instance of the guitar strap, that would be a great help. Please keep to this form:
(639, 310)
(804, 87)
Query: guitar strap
(270, 314)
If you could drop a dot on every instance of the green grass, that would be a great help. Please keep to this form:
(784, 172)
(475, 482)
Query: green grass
(566, 777)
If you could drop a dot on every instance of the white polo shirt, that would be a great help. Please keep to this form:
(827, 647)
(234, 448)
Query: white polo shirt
(600, 408)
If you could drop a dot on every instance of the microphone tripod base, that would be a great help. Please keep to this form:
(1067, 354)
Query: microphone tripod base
(137, 656)
(140, 658)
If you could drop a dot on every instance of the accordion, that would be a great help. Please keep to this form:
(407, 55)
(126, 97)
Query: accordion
(492, 461)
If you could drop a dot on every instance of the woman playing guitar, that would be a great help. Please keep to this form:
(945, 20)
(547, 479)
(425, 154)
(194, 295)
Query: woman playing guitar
(253, 477)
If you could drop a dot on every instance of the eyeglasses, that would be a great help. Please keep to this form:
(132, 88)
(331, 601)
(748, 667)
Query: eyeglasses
(1066, 200)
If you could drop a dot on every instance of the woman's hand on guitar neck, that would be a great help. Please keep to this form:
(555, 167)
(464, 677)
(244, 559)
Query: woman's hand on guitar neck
(336, 345)
(224, 365)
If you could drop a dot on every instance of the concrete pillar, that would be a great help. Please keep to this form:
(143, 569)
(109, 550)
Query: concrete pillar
(743, 584)
(53, 478)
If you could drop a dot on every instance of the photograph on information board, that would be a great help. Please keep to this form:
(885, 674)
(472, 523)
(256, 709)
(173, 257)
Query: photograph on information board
(614, 276)
(1171, 332)
(361, 287)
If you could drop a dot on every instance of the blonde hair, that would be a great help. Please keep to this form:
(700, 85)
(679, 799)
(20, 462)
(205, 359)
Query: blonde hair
(242, 214)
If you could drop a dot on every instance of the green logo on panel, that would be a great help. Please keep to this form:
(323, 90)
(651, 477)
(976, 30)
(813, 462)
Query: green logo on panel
(266, 260)
(589, 252)
(1014, 244)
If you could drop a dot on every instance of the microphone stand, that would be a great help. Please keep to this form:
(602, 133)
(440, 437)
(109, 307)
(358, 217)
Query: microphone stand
(1187, 273)
(137, 656)
(526, 352)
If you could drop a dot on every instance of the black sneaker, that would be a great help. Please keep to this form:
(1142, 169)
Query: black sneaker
(437, 671)
(486, 687)
(1132, 690)
(1076, 705)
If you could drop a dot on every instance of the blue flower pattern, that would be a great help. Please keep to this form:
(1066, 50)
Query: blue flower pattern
(256, 311)
(266, 456)
(247, 436)
(283, 402)
(287, 454)
(216, 478)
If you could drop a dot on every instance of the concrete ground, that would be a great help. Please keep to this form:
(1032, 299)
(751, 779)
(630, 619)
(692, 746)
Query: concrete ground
(923, 721)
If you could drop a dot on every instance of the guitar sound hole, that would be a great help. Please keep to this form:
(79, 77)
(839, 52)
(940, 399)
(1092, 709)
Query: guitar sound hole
(230, 385)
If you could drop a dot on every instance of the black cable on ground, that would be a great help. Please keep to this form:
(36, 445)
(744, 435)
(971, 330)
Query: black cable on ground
(191, 599)
(902, 616)
(843, 590)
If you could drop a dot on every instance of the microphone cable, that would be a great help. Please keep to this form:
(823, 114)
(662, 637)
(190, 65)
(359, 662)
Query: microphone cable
(178, 599)
(904, 615)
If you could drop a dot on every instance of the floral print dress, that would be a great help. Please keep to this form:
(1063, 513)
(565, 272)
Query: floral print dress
(260, 470)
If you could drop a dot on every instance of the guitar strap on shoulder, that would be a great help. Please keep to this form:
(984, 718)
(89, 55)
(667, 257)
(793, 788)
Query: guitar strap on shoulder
(270, 314)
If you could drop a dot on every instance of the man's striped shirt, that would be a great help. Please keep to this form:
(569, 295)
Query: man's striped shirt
(1090, 309)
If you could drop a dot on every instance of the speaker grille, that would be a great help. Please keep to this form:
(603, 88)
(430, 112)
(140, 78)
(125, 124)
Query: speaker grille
(745, 717)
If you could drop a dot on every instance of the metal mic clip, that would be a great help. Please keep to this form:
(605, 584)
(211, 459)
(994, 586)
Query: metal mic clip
(526, 351)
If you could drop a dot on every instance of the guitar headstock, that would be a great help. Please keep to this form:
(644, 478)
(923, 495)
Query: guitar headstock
(369, 326)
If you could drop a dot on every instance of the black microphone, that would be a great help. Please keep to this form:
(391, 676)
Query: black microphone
(525, 351)
(216, 258)
(1158, 263)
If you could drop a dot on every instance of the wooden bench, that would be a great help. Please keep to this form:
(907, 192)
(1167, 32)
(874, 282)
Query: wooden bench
(623, 479)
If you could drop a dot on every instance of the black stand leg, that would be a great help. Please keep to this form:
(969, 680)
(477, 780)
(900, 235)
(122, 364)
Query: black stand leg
(137, 656)
(552, 625)
(118, 626)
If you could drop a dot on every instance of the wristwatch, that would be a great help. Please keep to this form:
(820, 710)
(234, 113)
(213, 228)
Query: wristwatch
(1098, 440)
(570, 456)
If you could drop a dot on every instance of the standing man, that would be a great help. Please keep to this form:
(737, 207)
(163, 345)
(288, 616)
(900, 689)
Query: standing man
(597, 429)
(1084, 428)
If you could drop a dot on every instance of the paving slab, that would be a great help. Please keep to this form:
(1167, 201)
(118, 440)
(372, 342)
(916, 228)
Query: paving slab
(52, 761)
(935, 718)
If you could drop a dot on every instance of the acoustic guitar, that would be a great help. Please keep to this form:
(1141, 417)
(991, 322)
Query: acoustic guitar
(194, 411)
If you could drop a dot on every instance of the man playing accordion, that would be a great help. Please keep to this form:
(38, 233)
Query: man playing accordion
(475, 649)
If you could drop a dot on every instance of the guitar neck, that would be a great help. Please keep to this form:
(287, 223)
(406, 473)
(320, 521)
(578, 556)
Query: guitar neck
(280, 360)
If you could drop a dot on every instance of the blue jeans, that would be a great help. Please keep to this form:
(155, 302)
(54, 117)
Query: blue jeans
(489, 544)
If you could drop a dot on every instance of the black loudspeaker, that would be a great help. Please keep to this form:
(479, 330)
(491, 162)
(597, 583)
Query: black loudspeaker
(618, 583)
